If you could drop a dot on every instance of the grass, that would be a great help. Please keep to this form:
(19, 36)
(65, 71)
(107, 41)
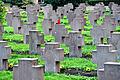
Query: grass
(48, 76)
(80, 63)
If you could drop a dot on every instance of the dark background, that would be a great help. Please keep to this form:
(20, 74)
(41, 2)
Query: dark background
(56, 3)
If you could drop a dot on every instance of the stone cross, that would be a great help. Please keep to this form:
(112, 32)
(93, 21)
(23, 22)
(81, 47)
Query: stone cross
(97, 34)
(104, 53)
(54, 17)
(5, 52)
(47, 26)
(28, 69)
(70, 16)
(32, 13)
(35, 41)
(103, 31)
(17, 25)
(82, 7)
(16, 11)
(68, 8)
(60, 12)
(59, 31)
(77, 24)
(47, 11)
(53, 55)
(75, 41)
(94, 16)
(111, 71)
(9, 18)
(27, 27)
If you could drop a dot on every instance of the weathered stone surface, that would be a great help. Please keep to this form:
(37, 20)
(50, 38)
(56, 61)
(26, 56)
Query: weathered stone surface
(5, 52)
(35, 40)
(104, 53)
(53, 55)
(59, 31)
(28, 69)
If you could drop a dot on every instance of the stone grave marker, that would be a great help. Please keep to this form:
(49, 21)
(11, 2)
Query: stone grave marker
(97, 34)
(17, 25)
(94, 16)
(75, 41)
(28, 69)
(82, 7)
(54, 17)
(110, 72)
(59, 31)
(70, 16)
(104, 53)
(27, 27)
(5, 52)
(47, 11)
(32, 13)
(9, 18)
(60, 12)
(77, 24)
(103, 31)
(114, 40)
(35, 41)
(47, 26)
(16, 11)
(53, 55)
(68, 8)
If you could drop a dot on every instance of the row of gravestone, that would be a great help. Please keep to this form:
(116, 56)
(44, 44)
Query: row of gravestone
(103, 54)
(32, 36)
(75, 18)
(106, 55)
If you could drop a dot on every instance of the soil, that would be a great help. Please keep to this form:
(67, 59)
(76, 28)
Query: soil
(74, 71)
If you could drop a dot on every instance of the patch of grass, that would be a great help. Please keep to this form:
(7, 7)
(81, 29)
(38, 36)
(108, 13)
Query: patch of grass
(80, 63)
(9, 29)
(13, 37)
(18, 47)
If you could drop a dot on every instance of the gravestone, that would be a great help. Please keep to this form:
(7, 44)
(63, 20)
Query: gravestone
(47, 10)
(79, 12)
(77, 24)
(35, 41)
(28, 69)
(9, 18)
(94, 16)
(15, 10)
(111, 71)
(103, 31)
(53, 55)
(70, 16)
(82, 7)
(59, 31)
(114, 40)
(54, 17)
(17, 25)
(101, 8)
(27, 27)
(1, 31)
(68, 8)
(75, 42)
(32, 13)
(97, 34)
(104, 53)
(60, 12)
(5, 52)
(47, 26)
